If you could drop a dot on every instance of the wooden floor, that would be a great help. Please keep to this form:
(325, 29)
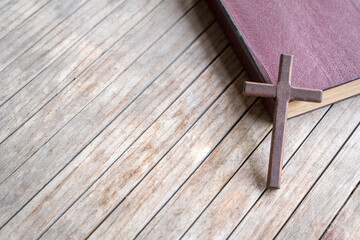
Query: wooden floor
(125, 119)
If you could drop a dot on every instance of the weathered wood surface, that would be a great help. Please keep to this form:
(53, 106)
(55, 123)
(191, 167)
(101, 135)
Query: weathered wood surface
(87, 124)
(310, 160)
(151, 155)
(125, 119)
(183, 208)
(112, 143)
(16, 12)
(322, 203)
(36, 132)
(50, 80)
(4, 3)
(35, 28)
(347, 224)
(193, 198)
(249, 182)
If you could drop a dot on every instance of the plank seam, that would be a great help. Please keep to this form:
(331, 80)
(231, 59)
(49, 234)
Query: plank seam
(134, 141)
(55, 59)
(316, 181)
(78, 75)
(292, 155)
(340, 209)
(127, 147)
(86, 144)
(87, 67)
(47, 33)
(186, 131)
(133, 62)
(221, 189)
(8, 4)
(70, 48)
(213, 149)
(23, 21)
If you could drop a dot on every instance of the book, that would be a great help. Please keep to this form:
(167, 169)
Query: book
(323, 37)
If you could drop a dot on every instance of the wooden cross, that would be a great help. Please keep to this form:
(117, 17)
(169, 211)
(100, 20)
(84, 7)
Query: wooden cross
(283, 92)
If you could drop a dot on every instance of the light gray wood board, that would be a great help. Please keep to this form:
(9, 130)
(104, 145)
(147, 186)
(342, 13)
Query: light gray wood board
(36, 132)
(42, 53)
(347, 224)
(125, 129)
(233, 153)
(36, 27)
(4, 3)
(301, 173)
(248, 184)
(135, 164)
(325, 199)
(86, 125)
(16, 12)
(52, 78)
(166, 178)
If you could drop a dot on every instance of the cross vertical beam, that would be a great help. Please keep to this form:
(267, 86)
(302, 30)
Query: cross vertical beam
(283, 92)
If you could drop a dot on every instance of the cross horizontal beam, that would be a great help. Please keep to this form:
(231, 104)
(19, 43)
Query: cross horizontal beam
(260, 89)
(306, 94)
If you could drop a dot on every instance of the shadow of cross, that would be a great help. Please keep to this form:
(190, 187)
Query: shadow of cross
(283, 92)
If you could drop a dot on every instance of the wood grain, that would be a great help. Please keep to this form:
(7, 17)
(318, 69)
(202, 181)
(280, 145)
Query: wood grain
(323, 201)
(56, 43)
(347, 223)
(38, 170)
(5, 3)
(183, 208)
(120, 134)
(51, 118)
(237, 196)
(154, 149)
(125, 119)
(38, 25)
(69, 65)
(45, 52)
(301, 172)
(16, 12)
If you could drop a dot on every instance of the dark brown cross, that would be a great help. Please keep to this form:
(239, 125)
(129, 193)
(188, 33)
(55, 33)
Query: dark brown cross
(283, 92)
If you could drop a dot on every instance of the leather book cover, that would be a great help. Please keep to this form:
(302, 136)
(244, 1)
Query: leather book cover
(323, 37)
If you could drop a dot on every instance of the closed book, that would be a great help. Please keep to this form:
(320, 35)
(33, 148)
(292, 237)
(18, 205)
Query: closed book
(323, 37)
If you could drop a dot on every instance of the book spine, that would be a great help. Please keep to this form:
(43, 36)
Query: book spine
(239, 46)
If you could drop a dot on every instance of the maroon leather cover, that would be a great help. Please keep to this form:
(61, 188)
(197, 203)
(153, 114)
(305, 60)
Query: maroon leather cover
(323, 36)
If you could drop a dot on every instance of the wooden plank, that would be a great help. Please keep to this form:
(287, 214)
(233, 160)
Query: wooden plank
(328, 195)
(301, 172)
(152, 151)
(347, 224)
(192, 199)
(38, 25)
(60, 110)
(183, 208)
(248, 184)
(16, 12)
(67, 67)
(44, 52)
(83, 128)
(118, 137)
(4, 3)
